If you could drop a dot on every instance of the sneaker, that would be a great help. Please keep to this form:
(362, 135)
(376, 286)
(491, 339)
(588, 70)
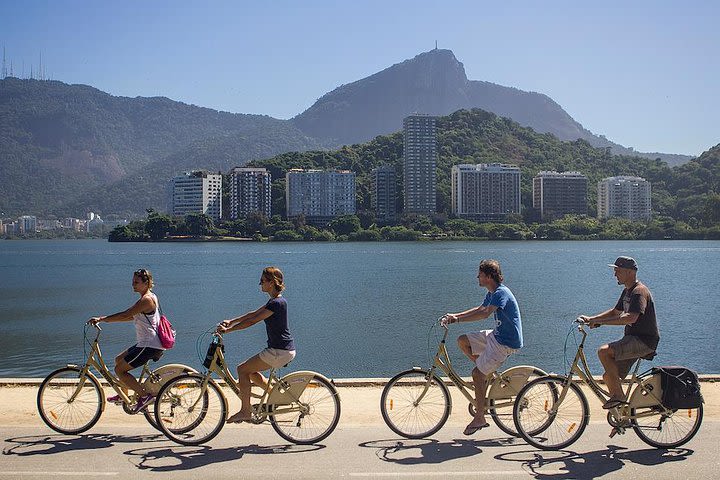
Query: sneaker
(143, 402)
(115, 399)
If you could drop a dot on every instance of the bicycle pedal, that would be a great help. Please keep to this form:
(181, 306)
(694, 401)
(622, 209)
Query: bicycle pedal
(613, 432)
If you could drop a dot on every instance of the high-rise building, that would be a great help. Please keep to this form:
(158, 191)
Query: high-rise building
(197, 192)
(383, 193)
(419, 162)
(27, 224)
(486, 192)
(557, 194)
(250, 192)
(625, 197)
(319, 195)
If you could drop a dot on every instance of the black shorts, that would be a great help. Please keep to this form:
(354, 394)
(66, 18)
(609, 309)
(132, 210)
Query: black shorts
(138, 356)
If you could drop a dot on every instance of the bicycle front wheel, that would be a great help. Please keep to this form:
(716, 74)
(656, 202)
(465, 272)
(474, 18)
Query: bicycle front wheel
(502, 393)
(551, 413)
(155, 381)
(68, 402)
(312, 416)
(188, 413)
(666, 429)
(415, 404)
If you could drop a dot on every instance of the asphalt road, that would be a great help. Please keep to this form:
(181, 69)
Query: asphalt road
(130, 452)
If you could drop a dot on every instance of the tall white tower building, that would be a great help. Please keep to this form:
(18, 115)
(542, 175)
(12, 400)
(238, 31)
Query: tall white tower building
(197, 192)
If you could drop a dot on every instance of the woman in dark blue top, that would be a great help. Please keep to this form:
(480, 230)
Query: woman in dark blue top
(280, 345)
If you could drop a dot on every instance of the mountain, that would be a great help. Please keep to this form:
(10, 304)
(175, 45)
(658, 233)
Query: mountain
(63, 147)
(68, 149)
(435, 83)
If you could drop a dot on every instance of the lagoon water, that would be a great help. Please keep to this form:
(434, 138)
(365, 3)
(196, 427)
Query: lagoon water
(356, 309)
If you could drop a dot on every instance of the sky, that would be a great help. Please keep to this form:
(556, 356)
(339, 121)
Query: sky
(642, 73)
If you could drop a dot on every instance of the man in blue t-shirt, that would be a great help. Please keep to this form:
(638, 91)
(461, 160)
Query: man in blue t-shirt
(488, 349)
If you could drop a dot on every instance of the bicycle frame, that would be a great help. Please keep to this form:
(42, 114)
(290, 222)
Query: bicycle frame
(442, 361)
(260, 410)
(100, 366)
(581, 368)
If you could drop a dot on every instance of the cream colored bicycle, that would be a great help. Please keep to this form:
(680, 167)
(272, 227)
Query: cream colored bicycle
(552, 412)
(416, 403)
(71, 399)
(302, 407)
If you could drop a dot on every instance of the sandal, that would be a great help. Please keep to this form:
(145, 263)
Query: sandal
(614, 403)
(470, 429)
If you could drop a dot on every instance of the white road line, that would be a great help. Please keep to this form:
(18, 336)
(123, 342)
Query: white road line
(454, 474)
(62, 474)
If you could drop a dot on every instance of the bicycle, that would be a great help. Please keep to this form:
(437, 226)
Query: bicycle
(303, 407)
(71, 400)
(551, 413)
(416, 403)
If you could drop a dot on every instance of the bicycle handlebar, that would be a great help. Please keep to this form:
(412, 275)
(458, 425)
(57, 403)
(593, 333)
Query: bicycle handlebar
(94, 325)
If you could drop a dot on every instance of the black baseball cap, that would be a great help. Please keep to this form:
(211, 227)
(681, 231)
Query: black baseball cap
(624, 262)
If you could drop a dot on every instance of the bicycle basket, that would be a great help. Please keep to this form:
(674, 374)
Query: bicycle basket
(211, 353)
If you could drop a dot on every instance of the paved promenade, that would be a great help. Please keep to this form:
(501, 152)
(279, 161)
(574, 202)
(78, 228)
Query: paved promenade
(123, 446)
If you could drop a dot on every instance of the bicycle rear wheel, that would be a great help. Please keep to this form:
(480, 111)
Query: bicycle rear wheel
(502, 393)
(551, 413)
(187, 413)
(415, 404)
(312, 415)
(68, 403)
(661, 429)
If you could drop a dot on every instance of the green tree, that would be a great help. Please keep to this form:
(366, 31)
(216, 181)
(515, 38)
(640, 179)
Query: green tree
(158, 226)
(345, 225)
(199, 224)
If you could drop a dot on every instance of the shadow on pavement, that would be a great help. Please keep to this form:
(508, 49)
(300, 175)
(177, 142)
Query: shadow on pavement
(176, 458)
(424, 451)
(52, 444)
(564, 464)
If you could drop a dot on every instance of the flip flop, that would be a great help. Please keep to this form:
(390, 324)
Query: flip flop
(237, 419)
(613, 403)
(469, 430)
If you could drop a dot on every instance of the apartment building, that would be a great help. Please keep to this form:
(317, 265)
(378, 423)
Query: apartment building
(625, 197)
(197, 192)
(250, 192)
(383, 195)
(319, 195)
(485, 192)
(419, 163)
(558, 194)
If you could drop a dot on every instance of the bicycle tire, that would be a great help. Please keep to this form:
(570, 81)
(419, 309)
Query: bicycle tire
(668, 431)
(506, 387)
(62, 415)
(166, 373)
(187, 414)
(319, 397)
(404, 415)
(535, 420)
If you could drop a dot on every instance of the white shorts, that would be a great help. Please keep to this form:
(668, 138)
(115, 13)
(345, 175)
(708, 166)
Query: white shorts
(276, 357)
(490, 353)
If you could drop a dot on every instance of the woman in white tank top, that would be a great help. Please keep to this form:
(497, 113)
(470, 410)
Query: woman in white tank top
(144, 313)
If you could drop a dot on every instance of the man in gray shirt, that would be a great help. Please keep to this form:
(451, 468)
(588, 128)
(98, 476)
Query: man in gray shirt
(636, 310)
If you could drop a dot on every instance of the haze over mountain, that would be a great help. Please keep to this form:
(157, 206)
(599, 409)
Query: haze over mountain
(68, 149)
(435, 83)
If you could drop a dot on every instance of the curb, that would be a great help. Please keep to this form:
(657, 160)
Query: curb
(339, 382)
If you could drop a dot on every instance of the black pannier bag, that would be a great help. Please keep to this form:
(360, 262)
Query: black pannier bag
(680, 387)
